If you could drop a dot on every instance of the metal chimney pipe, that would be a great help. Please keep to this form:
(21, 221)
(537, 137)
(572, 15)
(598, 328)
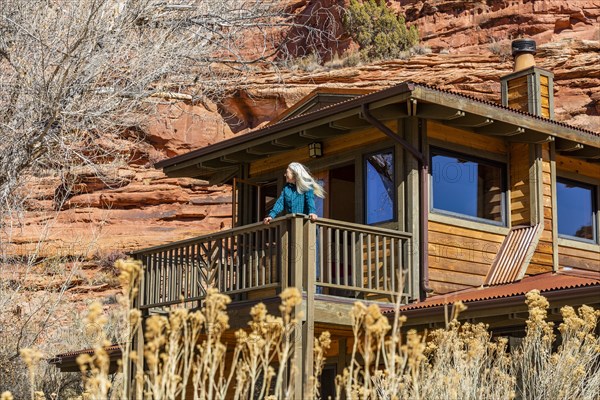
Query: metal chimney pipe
(523, 51)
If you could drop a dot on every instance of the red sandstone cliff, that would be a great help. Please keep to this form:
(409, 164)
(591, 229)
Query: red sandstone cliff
(467, 44)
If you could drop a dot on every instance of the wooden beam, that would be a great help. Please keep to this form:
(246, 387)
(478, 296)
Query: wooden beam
(293, 141)
(501, 129)
(532, 137)
(470, 121)
(501, 114)
(564, 145)
(268, 148)
(435, 111)
(353, 122)
(592, 153)
(322, 132)
(214, 164)
(389, 112)
(240, 157)
(223, 175)
(203, 171)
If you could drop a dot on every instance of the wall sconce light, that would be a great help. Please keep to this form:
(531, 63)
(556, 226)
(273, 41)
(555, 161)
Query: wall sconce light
(315, 149)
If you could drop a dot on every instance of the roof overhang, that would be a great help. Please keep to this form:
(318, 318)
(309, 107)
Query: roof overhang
(222, 160)
(67, 362)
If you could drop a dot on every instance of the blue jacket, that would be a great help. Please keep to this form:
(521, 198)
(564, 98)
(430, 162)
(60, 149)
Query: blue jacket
(293, 202)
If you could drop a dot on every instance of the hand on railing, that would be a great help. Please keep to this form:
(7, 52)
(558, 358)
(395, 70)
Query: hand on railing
(267, 220)
(313, 217)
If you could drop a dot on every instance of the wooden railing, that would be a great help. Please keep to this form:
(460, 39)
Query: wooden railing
(330, 257)
(234, 261)
(362, 260)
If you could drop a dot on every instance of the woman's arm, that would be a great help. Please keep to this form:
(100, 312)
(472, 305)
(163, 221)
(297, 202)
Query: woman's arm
(309, 204)
(277, 207)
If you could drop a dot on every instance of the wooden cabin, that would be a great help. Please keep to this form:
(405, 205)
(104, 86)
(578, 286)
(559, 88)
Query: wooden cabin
(432, 196)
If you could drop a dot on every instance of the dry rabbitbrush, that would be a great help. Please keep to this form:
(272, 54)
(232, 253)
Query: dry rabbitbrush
(461, 361)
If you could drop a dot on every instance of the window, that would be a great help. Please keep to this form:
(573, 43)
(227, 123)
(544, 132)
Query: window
(380, 191)
(468, 186)
(576, 209)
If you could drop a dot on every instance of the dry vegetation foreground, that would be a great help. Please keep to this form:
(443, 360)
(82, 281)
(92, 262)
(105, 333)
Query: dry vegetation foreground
(186, 351)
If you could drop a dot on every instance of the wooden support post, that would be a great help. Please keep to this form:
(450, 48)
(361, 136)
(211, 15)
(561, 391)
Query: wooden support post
(295, 252)
(284, 256)
(342, 354)
(554, 207)
(411, 132)
(296, 274)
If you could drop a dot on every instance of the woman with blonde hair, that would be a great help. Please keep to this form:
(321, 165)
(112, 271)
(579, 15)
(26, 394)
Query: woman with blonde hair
(298, 194)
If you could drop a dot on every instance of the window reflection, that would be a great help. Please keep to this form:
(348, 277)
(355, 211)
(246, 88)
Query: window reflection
(467, 186)
(379, 187)
(575, 202)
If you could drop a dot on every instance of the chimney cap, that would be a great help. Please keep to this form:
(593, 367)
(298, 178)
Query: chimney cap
(520, 46)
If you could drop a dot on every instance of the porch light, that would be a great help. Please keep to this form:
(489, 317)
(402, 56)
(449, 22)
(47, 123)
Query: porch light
(315, 150)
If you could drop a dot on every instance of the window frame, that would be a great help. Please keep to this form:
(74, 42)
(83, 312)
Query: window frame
(394, 218)
(581, 182)
(503, 166)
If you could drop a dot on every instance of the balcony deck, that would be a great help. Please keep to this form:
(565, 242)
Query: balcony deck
(327, 260)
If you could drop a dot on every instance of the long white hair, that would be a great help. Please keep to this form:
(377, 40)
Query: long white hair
(305, 181)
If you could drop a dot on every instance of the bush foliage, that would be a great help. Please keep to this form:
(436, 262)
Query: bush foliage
(380, 33)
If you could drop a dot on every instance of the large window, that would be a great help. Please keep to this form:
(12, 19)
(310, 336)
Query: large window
(468, 186)
(576, 209)
(380, 198)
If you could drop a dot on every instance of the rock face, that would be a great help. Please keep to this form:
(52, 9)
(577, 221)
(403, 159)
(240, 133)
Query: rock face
(460, 26)
(467, 50)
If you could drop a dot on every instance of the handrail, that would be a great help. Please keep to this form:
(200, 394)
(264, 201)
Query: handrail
(363, 228)
(208, 236)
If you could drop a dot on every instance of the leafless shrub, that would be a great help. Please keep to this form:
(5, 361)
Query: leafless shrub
(106, 260)
(500, 48)
(572, 370)
(75, 75)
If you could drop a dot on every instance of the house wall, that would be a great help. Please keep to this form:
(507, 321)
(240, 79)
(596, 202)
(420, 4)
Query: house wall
(542, 259)
(519, 184)
(460, 252)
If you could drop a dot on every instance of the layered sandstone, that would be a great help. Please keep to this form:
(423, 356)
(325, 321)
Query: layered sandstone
(467, 50)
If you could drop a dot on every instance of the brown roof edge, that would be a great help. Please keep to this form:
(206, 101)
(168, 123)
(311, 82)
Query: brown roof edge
(500, 302)
(546, 283)
(112, 350)
(346, 105)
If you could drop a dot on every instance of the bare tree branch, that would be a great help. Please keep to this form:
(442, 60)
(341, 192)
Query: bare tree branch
(69, 70)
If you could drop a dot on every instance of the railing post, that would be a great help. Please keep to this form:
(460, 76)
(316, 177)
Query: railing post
(283, 261)
(295, 268)
(308, 326)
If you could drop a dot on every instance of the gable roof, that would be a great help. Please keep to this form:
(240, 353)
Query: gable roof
(317, 99)
(399, 101)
